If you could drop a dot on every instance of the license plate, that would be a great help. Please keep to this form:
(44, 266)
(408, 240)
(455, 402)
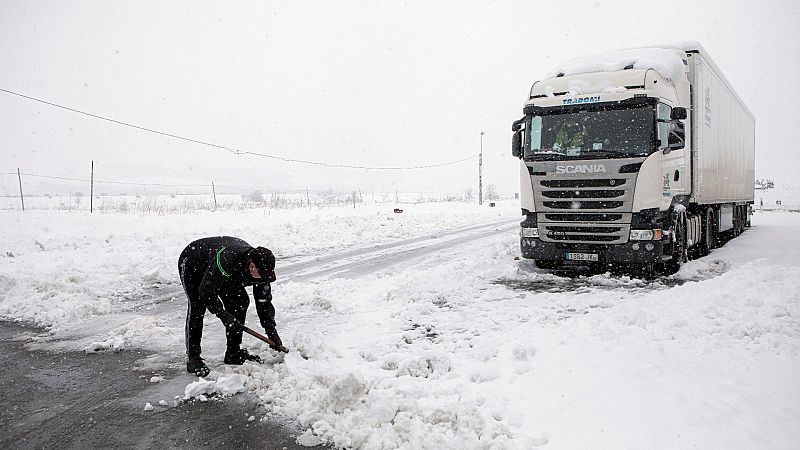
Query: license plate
(582, 257)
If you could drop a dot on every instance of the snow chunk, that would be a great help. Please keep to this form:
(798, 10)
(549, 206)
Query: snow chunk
(425, 365)
(148, 407)
(156, 379)
(115, 344)
(223, 386)
(667, 62)
(307, 439)
(346, 393)
(581, 87)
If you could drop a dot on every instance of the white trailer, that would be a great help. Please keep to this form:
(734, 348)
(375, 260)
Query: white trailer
(638, 157)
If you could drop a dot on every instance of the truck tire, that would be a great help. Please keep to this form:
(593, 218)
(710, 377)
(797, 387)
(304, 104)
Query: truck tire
(708, 240)
(737, 221)
(679, 248)
(742, 218)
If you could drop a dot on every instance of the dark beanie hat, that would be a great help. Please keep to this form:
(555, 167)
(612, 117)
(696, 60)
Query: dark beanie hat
(263, 258)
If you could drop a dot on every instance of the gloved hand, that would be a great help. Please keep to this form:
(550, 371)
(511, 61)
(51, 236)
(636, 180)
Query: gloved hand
(272, 334)
(230, 322)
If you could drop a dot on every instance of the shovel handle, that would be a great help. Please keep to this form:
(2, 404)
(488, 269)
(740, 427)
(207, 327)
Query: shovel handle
(258, 335)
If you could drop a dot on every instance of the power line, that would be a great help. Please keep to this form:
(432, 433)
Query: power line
(232, 150)
(246, 188)
(127, 183)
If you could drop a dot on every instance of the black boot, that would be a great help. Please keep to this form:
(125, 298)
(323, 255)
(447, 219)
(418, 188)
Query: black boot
(237, 357)
(196, 366)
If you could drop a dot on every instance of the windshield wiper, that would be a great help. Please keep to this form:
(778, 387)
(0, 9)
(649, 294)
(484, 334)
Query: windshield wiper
(546, 154)
(612, 152)
(549, 151)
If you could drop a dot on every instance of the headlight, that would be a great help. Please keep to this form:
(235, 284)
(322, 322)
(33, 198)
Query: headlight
(641, 235)
(645, 235)
(529, 232)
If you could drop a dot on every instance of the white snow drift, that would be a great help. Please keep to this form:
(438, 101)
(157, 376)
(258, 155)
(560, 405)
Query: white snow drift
(465, 348)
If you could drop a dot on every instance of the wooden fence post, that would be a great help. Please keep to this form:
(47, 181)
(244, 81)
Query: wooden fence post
(214, 191)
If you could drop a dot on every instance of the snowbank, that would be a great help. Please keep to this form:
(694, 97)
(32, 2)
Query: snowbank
(667, 62)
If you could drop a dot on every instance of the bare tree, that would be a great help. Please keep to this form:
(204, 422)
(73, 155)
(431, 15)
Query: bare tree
(468, 194)
(491, 193)
(255, 197)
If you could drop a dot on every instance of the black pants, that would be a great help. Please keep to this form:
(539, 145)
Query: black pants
(235, 301)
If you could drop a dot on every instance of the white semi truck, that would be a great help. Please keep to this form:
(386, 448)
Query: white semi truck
(638, 158)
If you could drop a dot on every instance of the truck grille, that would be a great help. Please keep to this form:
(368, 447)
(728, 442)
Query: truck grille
(582, 183)
(581, 209)
(583, 205)
(583, 217)
(583, 194)
(582, 234)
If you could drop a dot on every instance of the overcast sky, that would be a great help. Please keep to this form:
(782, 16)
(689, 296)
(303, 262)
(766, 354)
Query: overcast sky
(352, 83)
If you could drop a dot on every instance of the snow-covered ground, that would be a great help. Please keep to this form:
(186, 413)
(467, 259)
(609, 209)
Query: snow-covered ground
(464, 347)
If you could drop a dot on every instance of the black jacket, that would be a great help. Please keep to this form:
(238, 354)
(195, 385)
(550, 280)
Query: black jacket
(222, 260)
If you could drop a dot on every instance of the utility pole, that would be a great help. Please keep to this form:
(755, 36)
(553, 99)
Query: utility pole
(480, 172)
(91, 191)
(21, 198)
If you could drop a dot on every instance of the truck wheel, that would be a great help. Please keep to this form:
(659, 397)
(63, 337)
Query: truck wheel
(742, 218)
(719, 236)
(748, 212)
(679, 249)
(708, 239)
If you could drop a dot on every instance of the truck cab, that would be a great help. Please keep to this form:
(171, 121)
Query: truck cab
(606, 163)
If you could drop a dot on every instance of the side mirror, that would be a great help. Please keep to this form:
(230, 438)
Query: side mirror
(516, 139)
(516, 144)
(678, 113)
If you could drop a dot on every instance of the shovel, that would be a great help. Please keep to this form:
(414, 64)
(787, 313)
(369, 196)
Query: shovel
(269, 341)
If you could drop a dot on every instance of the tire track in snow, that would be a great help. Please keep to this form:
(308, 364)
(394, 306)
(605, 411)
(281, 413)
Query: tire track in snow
(356, 262)
(362, 262)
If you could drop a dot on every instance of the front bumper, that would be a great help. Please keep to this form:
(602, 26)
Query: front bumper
(630, 253)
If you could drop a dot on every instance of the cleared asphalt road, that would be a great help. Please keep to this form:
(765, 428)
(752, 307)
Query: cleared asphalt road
(78, 400)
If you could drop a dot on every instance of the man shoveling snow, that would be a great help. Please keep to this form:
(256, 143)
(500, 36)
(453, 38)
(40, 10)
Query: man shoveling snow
(214, 272)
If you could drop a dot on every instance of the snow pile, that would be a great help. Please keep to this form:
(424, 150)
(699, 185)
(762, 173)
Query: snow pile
(466, 347)
(386, 409)
(224, 386)
(447, 356)
(389, 378)
(666, 62)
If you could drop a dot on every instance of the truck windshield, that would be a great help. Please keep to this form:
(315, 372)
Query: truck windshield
(591, 134)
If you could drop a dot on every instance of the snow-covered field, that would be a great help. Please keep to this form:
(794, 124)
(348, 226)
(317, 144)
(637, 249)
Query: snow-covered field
(464, 347)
